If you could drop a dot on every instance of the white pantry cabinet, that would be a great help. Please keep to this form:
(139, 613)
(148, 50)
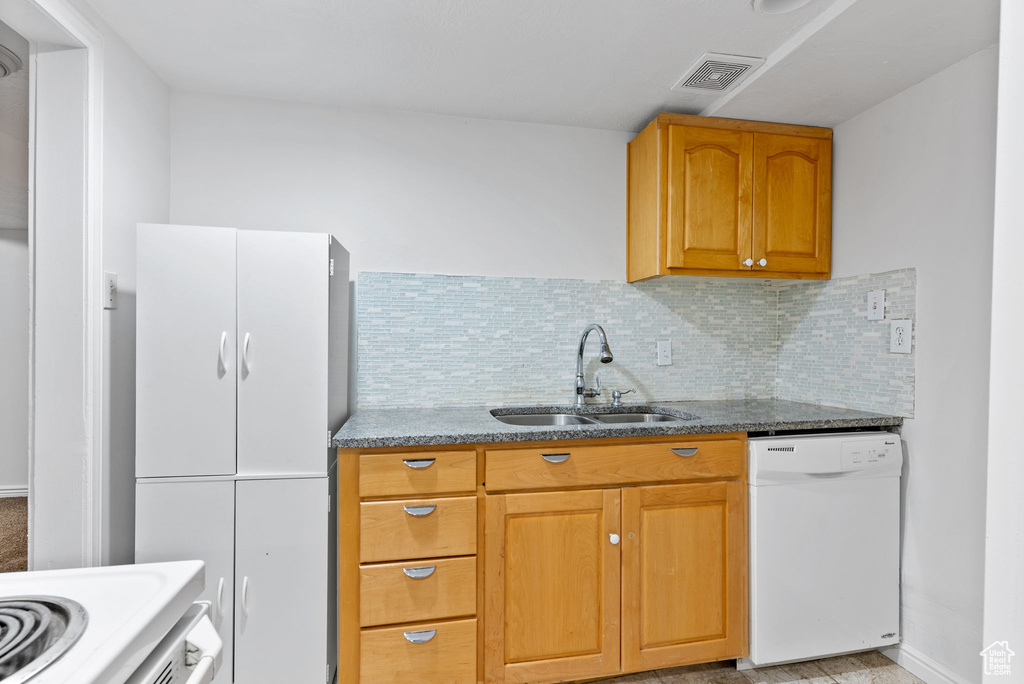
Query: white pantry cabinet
(242, 378)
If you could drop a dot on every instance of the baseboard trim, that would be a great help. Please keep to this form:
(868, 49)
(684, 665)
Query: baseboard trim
(13, 491)
(921, 666)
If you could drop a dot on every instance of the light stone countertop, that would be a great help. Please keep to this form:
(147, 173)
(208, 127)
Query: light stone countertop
(368, 428)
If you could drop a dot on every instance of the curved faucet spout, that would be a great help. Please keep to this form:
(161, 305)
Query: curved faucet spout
(606, 357)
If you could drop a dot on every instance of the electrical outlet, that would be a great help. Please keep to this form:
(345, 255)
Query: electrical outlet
(876, 305)
(901, 335)
(665, 353)
(109, 290)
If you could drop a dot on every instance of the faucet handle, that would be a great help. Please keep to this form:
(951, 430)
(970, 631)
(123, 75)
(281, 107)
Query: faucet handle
(617, 396)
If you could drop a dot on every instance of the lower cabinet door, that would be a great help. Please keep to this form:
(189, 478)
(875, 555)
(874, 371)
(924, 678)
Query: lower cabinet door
(552, 580)
(193, 521)
(281, 577)
(684, 574)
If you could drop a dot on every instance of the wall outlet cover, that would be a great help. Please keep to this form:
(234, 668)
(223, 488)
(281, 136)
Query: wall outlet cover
(876, 305)
(901, 335)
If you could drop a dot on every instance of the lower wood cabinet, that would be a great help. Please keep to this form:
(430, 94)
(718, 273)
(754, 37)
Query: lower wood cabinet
(552, 588)
(684, 574)
(576, 589)
(619, 556)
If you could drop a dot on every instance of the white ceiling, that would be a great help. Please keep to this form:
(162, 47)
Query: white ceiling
(597, 63)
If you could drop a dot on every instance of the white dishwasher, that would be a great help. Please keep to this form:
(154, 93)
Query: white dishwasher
(824, 545)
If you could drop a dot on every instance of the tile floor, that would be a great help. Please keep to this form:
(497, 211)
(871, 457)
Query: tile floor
(870, 667)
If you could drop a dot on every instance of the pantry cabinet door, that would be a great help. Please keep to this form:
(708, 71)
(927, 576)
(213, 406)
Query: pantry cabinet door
(552, 586)
(709, 179)
(792, 204)
(177, 521)
(185, 351)
(684, 574)
(281, 581)
(283, 306)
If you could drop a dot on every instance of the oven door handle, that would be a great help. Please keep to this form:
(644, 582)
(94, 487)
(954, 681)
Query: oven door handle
(204, 644)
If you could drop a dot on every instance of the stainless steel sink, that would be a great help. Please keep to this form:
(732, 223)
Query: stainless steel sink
(545, 419)
(636, 418)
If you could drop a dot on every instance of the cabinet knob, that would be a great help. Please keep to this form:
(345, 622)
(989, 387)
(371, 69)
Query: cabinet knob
(762, 263)
(748, 263)
(613, 538)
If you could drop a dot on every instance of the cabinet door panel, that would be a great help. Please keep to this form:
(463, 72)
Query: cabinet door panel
(684, 574)
(709, 181)
(792, 203)
(188, 521)
(185, 358)
(552, 586)
(282, 337)
(281, 570)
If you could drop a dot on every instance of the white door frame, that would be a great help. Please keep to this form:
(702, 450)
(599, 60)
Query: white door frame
(66, 422)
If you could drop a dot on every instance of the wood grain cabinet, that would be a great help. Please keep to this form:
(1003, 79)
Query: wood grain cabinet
(596, 558)
(709, 196)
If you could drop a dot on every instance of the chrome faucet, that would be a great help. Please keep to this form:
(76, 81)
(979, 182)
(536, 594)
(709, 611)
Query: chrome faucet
(582, 393)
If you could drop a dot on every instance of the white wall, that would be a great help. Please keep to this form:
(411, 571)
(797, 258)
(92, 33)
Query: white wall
(1004, 559)
(406, 192)
(136, 182)
(13, 359)
(914, 179)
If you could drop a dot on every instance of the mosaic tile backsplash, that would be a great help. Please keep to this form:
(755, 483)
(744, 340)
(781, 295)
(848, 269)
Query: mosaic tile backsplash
(426, 340)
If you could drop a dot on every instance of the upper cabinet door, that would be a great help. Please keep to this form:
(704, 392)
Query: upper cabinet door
(185, 353)
(684, 578)
(709, 191)
(283, 312)
(552, 576)
(792, 204)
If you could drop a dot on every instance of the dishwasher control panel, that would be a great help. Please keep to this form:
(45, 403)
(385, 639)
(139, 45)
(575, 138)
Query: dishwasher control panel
(858, 454)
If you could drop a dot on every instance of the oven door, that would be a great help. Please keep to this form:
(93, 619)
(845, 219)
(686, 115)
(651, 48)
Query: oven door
(189, 654)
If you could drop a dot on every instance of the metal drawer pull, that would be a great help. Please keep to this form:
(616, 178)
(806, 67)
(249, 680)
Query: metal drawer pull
(418, 462)
(420, 572)
(419, 511)
(685, 451)
(555, 458)
(420, 637)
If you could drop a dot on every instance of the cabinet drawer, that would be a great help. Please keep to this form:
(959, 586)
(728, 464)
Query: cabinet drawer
(447, 653)
(417, 528)
(417, 591)
(512, 469)
(417, 474)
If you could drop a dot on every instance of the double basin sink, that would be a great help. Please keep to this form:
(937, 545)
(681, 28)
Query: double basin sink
(588, 419)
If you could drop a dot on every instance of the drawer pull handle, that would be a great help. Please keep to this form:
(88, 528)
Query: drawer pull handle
(685, 451)
(420, 637)
(418, 511)
(418, 463)
(421, 572)
(555, 458)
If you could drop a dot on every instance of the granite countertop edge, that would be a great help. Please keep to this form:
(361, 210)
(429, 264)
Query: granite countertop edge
(412, 427)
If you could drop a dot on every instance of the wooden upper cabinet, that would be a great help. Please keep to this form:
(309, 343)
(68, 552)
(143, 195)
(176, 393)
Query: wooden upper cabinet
(709, 196)
(552, 579)
(684, 578)
(709, 190)
(792, 203)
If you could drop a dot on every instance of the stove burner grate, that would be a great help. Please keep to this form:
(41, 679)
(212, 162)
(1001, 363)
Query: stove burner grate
(34, 632)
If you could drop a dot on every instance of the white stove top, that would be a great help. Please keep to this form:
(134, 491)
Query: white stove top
(130, 608)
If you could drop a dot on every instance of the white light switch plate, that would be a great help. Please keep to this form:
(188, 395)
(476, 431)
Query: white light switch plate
(665, 353)
(901, 334)
(876, 305)
(109, 290)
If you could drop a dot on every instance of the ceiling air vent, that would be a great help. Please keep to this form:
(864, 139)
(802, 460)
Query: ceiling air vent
(717, 72)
